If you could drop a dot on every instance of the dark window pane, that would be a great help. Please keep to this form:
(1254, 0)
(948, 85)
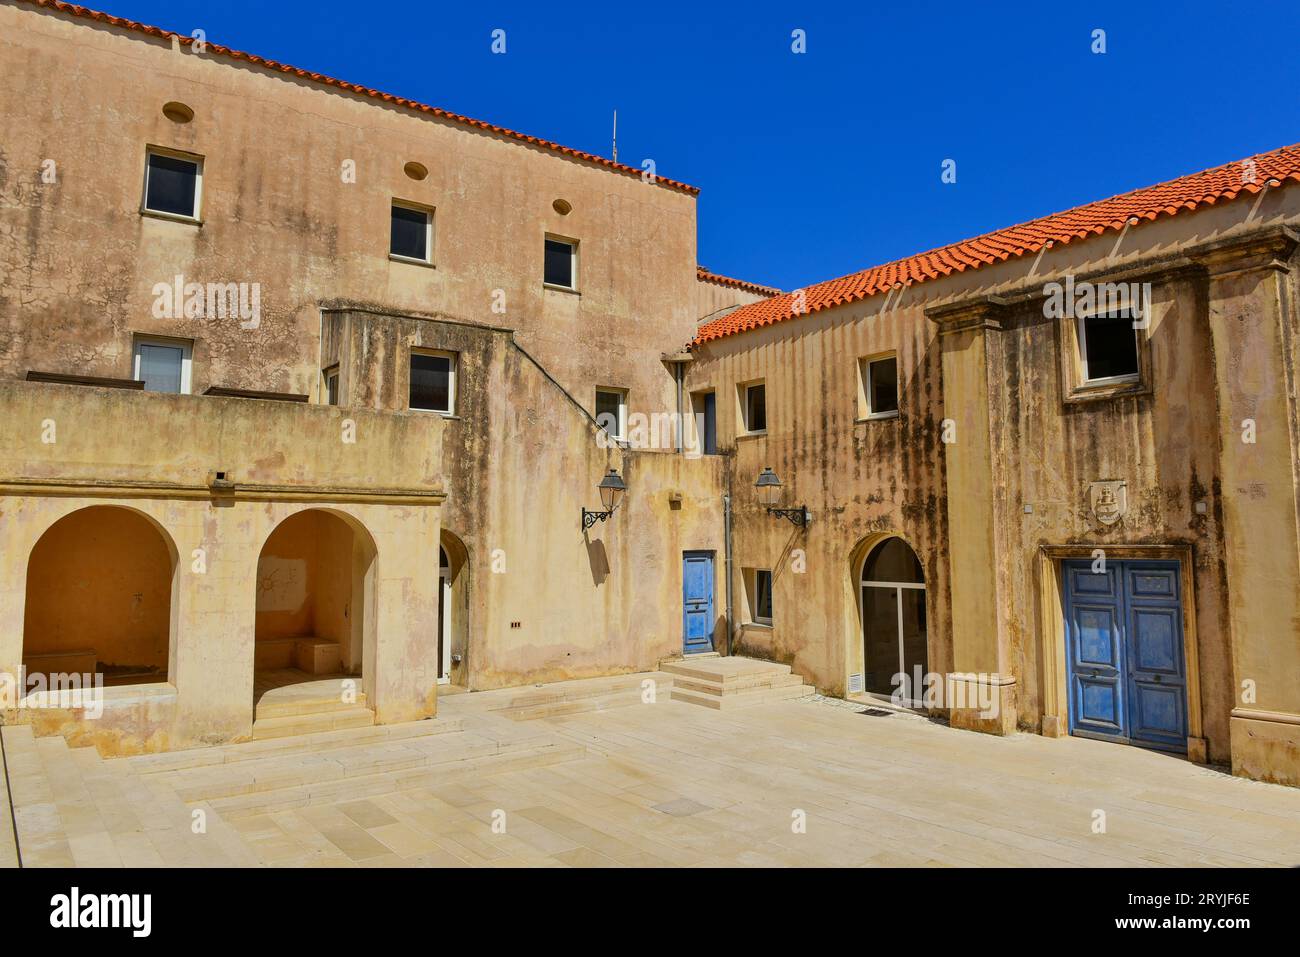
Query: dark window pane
(710, 412)
(160, 367)
(763, 595)
(332, 388)
(410, 234)
(431, 383)
(884, 385)
(607, 411)
(171, 186)
(1111, 346)
(559, 263)
(756, 413)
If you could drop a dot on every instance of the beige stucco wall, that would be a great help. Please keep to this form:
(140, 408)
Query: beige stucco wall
(713, 298)
(79, 261)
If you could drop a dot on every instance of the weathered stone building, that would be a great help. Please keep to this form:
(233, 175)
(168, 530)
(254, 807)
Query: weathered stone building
(344, 409)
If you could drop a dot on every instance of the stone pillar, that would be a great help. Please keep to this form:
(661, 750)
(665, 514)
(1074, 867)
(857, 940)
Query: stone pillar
(980, 693)
(1252, 319)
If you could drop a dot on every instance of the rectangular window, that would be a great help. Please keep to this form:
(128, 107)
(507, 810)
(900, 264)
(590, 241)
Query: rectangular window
(172, 184)
(611, 411)
(879, 387)
(760, 595)
(332, 385)
(1108, 348)
(433, 382)
(163, 364)
(755, 407)
(411, 236)
(561, 267)
(705, 407)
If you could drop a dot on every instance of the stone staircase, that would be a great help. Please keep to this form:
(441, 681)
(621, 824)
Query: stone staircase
(311, 706)
(586, 694)
(729, 683)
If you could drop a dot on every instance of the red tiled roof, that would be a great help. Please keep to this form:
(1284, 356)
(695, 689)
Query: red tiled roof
(705, 276)
(86, 13)
(1152, 202)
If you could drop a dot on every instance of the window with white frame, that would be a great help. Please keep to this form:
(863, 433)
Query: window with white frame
(759, 586)
(411, 232)
(611, 411)
(1108, 348)
(173, 183)
(753, 406)
(879, 375)
(433, 382)
(163, 364)
(561, 263)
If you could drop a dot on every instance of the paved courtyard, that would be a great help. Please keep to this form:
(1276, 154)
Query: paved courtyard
(804, 782)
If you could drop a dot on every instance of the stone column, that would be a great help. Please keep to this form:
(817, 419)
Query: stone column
(1252, 318)
(980, 693)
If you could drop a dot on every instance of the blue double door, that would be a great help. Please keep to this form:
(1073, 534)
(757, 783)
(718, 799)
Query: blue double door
(697, 602)
(1124, 638)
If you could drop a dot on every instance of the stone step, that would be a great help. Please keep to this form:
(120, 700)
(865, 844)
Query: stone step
(315, 742)
(741, 700)
(297, 724)
(728, 671)
(42, 839)
(747, 685)
(310, 697)
(534, 752)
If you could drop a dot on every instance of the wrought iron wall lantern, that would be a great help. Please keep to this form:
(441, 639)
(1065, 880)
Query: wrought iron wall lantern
(769, 493)
(611, 493)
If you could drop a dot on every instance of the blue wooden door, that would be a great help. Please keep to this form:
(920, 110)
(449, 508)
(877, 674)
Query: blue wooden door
(697, 602)
(1124, 642)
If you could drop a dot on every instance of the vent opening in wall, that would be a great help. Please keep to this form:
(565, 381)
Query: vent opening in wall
(562, 206)
(855, 684)
(177, 112)
(416, 170)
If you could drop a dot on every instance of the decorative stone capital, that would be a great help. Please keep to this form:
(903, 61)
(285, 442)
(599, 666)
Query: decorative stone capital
(982, 312)
(1268, 248)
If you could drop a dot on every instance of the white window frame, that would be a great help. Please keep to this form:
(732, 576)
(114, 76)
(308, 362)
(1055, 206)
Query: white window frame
(621, 434)
(745, 408)
(1081, 333)
(573, 262)
(451, 380)
(333, 373)
(198, 184)
(187, 356)
(864, 371)
(756, 618)
(428, 232)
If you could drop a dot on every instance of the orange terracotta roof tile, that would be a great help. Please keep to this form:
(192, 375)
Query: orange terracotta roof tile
(86, 13)
(1141, 205)
(705, 276)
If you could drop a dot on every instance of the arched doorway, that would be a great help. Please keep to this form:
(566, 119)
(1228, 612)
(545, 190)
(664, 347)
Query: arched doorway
(315, 595)
(453, 610)
(100, 598)
(894, 622)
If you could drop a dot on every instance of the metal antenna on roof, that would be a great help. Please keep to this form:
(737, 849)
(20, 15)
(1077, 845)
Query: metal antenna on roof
(616, 136)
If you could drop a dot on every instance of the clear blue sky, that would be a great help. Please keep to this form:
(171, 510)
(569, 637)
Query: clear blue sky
(816, 165)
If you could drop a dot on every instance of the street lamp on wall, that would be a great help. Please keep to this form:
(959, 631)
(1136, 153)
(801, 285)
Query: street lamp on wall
(611, 489)
(769, 493)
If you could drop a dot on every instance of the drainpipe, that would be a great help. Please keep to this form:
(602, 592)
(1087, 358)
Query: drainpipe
(726, 529)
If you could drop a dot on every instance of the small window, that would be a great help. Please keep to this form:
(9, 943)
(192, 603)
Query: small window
(433, 382)
(755, 407)
(705, 407)
(880, 387)
(163, 364)
(760, 595)
(561, 268)
(1108, 348)
(332, 385)
(172, 184)
(611, 411)
(411, 236)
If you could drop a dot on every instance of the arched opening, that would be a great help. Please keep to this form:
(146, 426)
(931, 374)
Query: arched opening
(315, 595)
(895, 650)
(100, 598)
(453, 611)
